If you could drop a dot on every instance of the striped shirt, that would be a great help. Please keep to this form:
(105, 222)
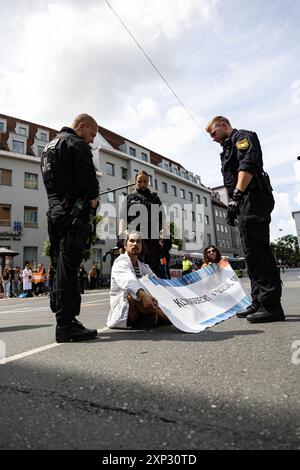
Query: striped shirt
(137, 271)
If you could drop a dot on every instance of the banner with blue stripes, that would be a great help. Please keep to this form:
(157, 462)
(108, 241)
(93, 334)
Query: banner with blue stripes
(200, 299)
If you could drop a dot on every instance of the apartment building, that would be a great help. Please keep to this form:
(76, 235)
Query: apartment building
(23, 200)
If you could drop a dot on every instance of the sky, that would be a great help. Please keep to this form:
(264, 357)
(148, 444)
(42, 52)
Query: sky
(233, 58)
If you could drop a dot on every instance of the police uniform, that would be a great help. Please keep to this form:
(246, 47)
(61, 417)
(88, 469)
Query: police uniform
(242, 152)
(151, 246)
(69, 175)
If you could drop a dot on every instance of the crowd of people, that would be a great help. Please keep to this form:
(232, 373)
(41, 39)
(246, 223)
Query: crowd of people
(35, 282)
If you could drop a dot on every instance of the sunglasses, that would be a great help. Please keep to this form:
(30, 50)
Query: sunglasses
(211, 251)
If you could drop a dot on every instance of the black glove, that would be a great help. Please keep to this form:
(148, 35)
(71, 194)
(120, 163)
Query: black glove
(234, 207)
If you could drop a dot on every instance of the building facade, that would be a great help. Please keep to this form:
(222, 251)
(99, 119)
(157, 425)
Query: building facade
(296, 216)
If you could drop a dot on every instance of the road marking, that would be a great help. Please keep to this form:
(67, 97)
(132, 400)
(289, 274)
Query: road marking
(46, 307)
(37, 350)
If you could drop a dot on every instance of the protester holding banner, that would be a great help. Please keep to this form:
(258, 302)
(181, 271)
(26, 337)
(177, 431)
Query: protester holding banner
(130, 304)
(211, 255)
(251, 203)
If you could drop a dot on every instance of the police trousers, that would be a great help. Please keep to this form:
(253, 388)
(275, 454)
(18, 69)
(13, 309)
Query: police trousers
(254, 221)
(68, 242)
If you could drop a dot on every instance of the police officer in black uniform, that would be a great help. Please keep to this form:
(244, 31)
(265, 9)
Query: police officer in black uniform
(72, 188)
(128, 215)
(251, 202)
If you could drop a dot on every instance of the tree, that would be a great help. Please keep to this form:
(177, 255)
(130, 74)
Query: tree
(286, 249)
(175, 241)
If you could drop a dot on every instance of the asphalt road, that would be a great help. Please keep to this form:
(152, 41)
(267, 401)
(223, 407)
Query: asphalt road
(234, 386)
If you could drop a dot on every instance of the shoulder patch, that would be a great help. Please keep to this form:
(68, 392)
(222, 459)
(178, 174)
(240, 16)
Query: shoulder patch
(243, 144)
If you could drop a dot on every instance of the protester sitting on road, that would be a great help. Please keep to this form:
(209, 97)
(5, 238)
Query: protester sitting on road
(211, 255)
(130, 304)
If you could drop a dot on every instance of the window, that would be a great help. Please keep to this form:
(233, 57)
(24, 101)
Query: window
(111, 197)
(164, 188)
(191, 198)
(217, 213)
(132, 152)
(40, 150)
(5, 177)
(182, 194)
(18, 146)
(156, 185)
(218, 228)
(206, 218)
(31, 217)
(224, 215)
(22, 130)
(193, 216)
(173, 190)
(43, 136)
(222, 229)
(30, 255)
(198, 199)
(166, 167)
(110, 169)
(144, 157)
(124, 173)
(150, 179)
(208, 236)
(31, 181)
(2, 126)
(112, 226)
(205, 201)
(226, 229)
(5, 214)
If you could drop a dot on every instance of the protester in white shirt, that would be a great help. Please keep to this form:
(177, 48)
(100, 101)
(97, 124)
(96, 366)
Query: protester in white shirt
(130, 304)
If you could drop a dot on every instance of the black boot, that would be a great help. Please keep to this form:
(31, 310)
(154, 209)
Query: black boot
(248, 311)
(74, 331)
(267, 315)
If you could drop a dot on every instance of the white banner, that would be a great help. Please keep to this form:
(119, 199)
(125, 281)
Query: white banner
(200, 299)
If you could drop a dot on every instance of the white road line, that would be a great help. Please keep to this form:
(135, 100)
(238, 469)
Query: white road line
(37, 350)
(46, 307)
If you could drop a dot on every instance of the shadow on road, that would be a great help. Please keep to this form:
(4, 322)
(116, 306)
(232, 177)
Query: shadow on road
(168, 334)
(22, 327)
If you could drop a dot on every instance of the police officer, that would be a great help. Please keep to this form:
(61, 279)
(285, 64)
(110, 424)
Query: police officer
(144, 219)
(72, 188)
(251, 201)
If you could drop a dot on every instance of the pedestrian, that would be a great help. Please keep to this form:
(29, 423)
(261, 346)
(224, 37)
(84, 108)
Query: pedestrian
(211, 255)
(6, 282)
(148, 224)
(130, 304)
(251, 203)
(187, 266)
(82, 277)
(27, 280)
(72, 187)
(93, 278)
(164, 269)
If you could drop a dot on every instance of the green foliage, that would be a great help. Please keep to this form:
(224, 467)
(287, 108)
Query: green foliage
(94, 221)
(175, 241)
(46, 251)
(286, 249)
